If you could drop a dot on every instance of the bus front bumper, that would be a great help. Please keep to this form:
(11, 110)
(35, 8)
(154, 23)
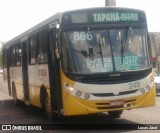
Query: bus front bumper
(76, 106)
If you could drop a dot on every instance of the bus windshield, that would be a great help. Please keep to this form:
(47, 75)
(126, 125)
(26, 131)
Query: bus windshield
(99, 51)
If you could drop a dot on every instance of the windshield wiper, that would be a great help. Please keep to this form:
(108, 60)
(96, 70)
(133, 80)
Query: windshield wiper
(93, 42)
(96, 45)
(83, 52)
(124, 42)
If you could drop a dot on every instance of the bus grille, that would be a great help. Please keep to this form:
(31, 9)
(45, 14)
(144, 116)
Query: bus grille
(127, 103)
(112, 94)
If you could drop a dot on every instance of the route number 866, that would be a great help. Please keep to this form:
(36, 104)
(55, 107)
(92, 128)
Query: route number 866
(81, 36)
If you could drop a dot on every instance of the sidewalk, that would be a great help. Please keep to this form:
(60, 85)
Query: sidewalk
(3, 94)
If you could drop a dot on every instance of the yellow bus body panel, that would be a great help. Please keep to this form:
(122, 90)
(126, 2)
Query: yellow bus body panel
(76, 106)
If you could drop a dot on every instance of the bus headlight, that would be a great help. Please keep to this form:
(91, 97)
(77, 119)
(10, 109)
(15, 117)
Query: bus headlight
(86, 95)
(69, 88)
(148, 87)
(142, 90)
(78, 93)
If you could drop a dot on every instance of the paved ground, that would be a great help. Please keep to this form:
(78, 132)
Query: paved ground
(3, 94)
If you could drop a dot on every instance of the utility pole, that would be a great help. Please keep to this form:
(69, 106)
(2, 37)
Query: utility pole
(110, 2)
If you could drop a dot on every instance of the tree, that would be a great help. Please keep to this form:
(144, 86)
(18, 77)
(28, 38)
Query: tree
(1, 59)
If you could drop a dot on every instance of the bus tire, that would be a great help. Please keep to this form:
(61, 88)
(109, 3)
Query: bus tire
(14, 94)
(47, 107)
(115, 114)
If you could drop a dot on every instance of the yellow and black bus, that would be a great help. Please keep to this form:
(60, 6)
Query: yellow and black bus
(82, 62)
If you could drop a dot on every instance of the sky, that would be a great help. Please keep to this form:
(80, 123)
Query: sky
(17, 16)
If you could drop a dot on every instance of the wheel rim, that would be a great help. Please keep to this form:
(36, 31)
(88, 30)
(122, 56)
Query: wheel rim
(49, 114)
(47, 105)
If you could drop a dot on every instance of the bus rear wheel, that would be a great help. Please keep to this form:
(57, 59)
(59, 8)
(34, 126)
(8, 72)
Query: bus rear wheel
(15, 100)
(48, 110)
(115, 114)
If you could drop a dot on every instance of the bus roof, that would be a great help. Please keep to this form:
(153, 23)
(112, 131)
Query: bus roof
(39, 26)
(58, 17)
(103, 8)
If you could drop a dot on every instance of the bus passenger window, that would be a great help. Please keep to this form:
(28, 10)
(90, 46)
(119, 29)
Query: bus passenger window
(18, 55)
(12, 56)
(32, 49)
(42, 47)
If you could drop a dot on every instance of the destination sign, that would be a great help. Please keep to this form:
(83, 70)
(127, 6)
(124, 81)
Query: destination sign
(115, 17)
(104, 16)
(130, 63)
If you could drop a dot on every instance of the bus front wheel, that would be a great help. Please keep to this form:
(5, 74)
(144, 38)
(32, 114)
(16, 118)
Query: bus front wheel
(115, 114)
(48, 110)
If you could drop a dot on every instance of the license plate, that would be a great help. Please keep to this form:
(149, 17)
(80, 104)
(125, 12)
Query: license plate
(116, 103)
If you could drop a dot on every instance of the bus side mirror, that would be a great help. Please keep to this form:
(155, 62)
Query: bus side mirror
(57, 52)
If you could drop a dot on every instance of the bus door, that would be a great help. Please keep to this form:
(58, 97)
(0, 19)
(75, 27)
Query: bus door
(25, 70)
(54, 73)
(8, 70)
